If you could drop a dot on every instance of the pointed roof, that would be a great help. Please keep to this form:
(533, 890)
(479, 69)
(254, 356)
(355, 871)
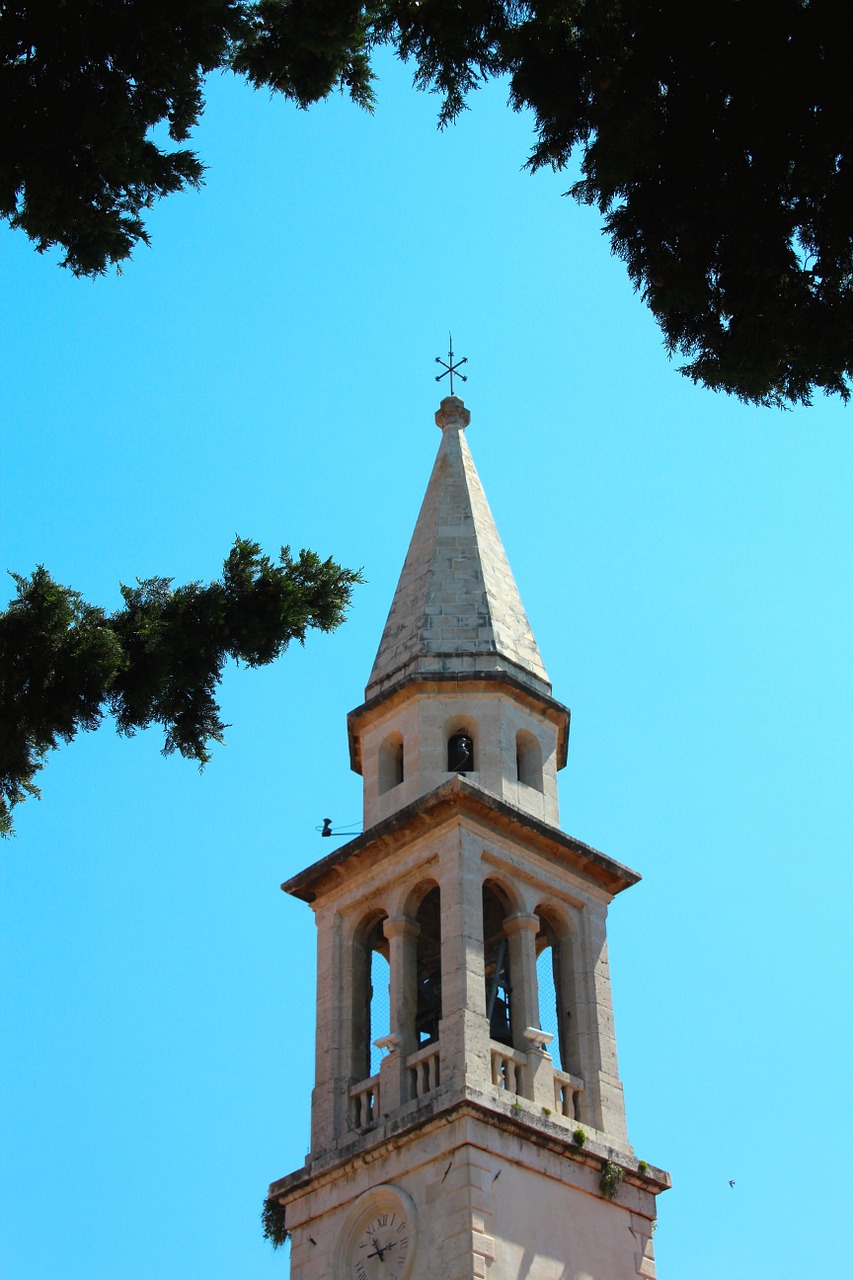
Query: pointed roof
(456, 607)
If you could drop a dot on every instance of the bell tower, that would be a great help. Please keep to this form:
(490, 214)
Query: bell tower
(472, 1124)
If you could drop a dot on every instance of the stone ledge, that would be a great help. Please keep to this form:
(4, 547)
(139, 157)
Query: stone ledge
(454, 798)
(442, 1109)
(438, 664)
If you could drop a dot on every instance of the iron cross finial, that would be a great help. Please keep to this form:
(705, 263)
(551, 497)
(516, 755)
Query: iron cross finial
(449, 367)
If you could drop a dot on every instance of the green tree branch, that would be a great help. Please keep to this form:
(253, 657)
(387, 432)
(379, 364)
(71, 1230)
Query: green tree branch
(65, 664)
(719, 150)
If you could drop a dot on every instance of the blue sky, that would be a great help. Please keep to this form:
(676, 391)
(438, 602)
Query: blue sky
(267, 368)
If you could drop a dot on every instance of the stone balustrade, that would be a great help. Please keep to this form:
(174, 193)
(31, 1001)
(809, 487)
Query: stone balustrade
(567, 1091)
(511, 1072)
(424, 1070)
(508, 1068)
(364, 1103)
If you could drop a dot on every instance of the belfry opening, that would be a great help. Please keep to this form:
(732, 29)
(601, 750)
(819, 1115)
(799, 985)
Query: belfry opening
(496, 965)
(428, 943)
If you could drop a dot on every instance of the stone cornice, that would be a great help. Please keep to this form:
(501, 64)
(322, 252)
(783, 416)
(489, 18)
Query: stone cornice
(455, 1104)
(459, 798)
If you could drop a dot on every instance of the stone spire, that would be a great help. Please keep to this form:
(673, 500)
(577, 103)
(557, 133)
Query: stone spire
(456, 607)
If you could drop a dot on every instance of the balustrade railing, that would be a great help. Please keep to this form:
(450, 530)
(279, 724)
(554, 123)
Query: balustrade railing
(364, 1103)
(567, 1091)
(508, 1068)
(423, 1067)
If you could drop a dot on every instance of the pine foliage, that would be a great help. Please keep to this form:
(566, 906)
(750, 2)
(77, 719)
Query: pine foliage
(716, 143)
(65, 664)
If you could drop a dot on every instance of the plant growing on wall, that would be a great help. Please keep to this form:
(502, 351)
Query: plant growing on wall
(272, 1218)
(610, 1180)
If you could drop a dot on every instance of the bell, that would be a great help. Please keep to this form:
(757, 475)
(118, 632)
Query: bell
(460, 754)
(499, 1028)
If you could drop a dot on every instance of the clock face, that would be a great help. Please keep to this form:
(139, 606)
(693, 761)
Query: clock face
(381, 1250)
(378, 1240)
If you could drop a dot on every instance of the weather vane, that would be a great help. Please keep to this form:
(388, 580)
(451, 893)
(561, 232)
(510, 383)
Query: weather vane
(449, 367)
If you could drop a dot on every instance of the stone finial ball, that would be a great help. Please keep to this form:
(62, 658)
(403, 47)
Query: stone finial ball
(452, 413)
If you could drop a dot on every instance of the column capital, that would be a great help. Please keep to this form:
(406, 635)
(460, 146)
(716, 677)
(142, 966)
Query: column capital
(521, 920)
(400, 927)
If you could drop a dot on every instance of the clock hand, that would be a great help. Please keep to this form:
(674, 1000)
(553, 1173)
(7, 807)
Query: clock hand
(385, 1249)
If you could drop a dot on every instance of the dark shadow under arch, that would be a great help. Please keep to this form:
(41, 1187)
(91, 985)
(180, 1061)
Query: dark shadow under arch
(496, 907)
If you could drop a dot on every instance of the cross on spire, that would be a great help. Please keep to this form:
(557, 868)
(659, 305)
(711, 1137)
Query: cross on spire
(449, 366)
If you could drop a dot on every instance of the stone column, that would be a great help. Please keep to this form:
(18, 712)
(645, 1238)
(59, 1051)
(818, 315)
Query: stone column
(330, 1098)
(464, 1028)
(539, 1072)
(521, 930)
(603, 1103)
(402, 934)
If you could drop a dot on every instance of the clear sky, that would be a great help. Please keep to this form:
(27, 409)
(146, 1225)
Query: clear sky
(267, 368)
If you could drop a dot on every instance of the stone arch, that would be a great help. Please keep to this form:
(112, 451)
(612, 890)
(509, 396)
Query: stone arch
(528, 759)
(511, 894)
(415, 894)
(391, 759)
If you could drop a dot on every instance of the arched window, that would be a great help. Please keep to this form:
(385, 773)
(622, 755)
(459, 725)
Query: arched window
(428, 1009)
(555, 973)
(460, 752)
(496, 963)
(528, 759)
(391, 762)
(462, 745)
(380, 1004)
(549, 983)
(371, 1014)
